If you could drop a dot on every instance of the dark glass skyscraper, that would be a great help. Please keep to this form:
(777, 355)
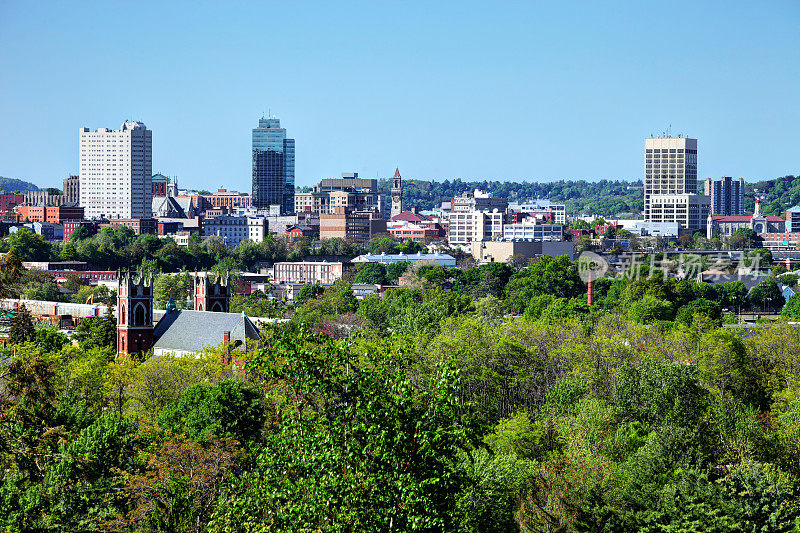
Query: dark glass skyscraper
(273, 166)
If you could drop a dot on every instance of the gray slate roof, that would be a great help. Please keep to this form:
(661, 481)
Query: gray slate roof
(193, 331)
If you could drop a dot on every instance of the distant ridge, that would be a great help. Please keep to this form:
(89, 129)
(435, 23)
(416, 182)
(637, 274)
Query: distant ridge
(13, 184)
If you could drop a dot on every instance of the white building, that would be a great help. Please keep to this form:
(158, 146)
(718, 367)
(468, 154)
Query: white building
(233, 229)
(543, 206)
(442, 259)
(529, 230)
(116, 169)
(467, 226)
(258, 228)
(644, 228)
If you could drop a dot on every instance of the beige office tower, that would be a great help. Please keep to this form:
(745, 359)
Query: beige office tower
(72, 189)
(670, 183)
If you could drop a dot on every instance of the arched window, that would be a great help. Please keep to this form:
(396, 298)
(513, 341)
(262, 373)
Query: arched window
(122, 314)
(139, 315)
(217, 307)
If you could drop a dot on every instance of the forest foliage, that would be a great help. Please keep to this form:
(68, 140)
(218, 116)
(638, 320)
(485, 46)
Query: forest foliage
(489, 398)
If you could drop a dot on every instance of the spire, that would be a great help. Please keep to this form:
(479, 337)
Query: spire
(397, 172)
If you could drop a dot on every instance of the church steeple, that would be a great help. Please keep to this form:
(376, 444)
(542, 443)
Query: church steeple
(134, 313)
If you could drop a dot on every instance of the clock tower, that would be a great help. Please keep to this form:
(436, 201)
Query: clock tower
(397, 194)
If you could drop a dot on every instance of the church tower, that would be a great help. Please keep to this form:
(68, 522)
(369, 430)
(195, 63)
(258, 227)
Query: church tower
(134, 313)
(397, 194)
(211, 295)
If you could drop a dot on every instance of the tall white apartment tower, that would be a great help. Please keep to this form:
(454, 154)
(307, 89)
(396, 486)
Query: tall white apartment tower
(116, 170)
(670, 183)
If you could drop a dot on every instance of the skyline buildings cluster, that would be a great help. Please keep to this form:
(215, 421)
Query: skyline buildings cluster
(116, 176)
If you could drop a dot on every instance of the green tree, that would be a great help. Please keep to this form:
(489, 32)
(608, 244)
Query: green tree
(28, 246)
(649, 309)
(78, 234)
(792, 308)
(22, 329)
(743, 238)
(554, 276)
(50, 339)
(372, 273)
(707, 308)
(767, 295)
(228, 409)
(69, 252)
(308, 291)
(656, 392)
(172, 286)
(387, 455)
(97, 332)
(85, 482)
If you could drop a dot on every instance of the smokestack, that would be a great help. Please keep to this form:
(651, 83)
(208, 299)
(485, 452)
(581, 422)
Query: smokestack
(590, 294)
(227, 341)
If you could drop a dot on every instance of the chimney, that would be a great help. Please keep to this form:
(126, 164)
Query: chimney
(590, 294)
(226, 336)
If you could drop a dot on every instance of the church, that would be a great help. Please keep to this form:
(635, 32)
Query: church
(178, 331)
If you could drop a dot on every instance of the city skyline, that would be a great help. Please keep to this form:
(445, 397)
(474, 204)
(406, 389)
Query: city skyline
(491, 95)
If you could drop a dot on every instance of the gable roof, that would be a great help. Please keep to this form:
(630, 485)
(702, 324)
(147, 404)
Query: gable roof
(193, 331)
(167, 207)
(408, 216)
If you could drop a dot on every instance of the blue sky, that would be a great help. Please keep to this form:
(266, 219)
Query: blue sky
(490, 90)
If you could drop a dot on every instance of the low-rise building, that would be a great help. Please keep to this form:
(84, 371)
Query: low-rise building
(501, 251)
(445, 260)
(229, 199)
(299, 231)
(359, 226)
(71, 225)
(44, 197)
(140, 226)
(414, 232)
(257, 228)
(231, 228)
(50, 232)
(531, 229)
(320, 272)
(9, 200)
(169, 228)
(469, 226)
(54, 214)
(542, 206)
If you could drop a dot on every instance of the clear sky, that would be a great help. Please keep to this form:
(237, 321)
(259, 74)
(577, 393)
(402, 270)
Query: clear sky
(490, 90)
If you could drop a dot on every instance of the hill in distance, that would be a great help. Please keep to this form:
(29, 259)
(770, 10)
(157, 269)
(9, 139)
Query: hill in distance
(13, 184)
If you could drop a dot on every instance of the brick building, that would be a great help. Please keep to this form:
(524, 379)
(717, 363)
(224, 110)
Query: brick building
(9, 200)
(55, 214)
(140, 226)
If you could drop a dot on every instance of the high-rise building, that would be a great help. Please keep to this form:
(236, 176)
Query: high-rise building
(727, 195)
(670, 183)
(72, 189)
(273, 166)
(116, 169)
